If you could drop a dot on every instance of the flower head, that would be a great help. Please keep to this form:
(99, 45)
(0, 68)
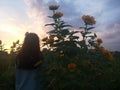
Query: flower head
(102, 49)
(58, 15)
(53, 7)
(89, 20)
(99, 41)
(108, 55)
(72, 66)
(97, 46)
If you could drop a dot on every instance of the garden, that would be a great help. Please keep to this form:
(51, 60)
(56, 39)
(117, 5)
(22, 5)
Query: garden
(73, 59)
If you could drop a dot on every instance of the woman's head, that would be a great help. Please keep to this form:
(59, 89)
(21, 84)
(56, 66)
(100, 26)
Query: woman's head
(30, 51)
(30, 46)
(31, 41)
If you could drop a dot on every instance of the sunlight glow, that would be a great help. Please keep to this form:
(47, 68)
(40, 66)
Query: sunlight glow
(8, 29)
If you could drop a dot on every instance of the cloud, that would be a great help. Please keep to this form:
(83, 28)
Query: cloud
(113, 3)
(111, 38)
(37, 12)
(35, 9)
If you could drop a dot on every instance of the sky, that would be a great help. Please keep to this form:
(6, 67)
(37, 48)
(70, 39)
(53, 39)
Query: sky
(20, 16)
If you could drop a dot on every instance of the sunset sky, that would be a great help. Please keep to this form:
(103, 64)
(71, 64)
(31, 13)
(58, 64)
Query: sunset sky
(20, 16)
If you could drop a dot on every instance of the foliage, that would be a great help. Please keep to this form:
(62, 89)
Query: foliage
(2, 47)
(71, 63)
(15, 47)
(7, 66)
(7, 72)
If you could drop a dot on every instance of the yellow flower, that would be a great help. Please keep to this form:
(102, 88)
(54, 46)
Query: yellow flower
(89, 20)
(97, 46)
(99, 41)
(108, 55)
(72, 66)
(58, 14)
(103, 50)
(53, 7)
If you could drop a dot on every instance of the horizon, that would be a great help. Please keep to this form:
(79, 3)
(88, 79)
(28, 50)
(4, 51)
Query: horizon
(18, 17)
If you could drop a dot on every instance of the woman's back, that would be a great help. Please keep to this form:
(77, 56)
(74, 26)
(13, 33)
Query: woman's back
(26, 59)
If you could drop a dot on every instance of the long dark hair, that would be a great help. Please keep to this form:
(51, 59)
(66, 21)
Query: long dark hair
(30, 52)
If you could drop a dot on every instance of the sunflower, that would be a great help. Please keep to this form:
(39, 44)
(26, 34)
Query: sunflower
(89, 20)
(53, 7)
(99, 41)
(58, 15)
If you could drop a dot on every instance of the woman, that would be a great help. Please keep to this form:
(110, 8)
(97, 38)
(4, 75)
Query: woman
(27, 61)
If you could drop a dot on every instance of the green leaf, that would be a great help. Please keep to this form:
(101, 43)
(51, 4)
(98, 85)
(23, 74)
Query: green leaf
(83, 33)
(74, 37)
(52, 24)
(50, 16)
(92, 37)
(81, 27)
(90, 28)
(65, 26)
(87, 32)
(62, 23)
(64, 32)
(74, 32)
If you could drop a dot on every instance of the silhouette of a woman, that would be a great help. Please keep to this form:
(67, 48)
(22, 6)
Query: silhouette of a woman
(27, 61)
